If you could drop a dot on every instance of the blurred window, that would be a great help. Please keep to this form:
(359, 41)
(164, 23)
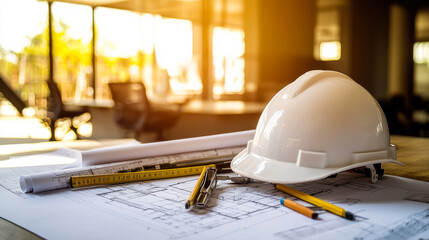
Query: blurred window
(159, 46)
(24, 60)
(228, 61)
(118, 43)
(174, 53)
(421, 54)
(327, 44)
(152, 49)
(421, 69)
(72, 39)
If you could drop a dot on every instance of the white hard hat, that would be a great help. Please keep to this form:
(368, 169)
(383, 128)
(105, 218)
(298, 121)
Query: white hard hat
(321, 124)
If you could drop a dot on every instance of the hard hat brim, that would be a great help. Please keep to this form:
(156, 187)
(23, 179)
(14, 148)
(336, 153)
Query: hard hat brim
(268, 170)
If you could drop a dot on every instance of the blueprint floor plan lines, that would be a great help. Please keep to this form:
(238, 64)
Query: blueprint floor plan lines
(316, 188)
(413, 225)
(8, 181)
(156, 209)
(165, 206)
(418, 197)
(349, 201)
(357, 183)
(313, 230)
(357, 186)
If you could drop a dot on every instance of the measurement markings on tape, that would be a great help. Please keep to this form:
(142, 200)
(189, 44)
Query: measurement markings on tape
(116, 178)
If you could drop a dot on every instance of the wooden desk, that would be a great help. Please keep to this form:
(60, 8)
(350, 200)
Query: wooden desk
(412, 151)
(198, 118)
(223, 107)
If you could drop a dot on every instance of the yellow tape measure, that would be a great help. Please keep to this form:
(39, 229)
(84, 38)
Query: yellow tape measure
(116, 178)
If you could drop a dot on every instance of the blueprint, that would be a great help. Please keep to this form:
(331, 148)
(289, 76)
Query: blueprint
(60, 178)
(127, 157)
(393, 208)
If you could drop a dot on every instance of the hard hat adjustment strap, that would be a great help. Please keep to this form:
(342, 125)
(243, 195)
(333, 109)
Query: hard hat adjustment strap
(374, 171)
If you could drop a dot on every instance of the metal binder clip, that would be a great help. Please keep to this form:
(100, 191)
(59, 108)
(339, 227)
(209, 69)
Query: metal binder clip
(207, 187)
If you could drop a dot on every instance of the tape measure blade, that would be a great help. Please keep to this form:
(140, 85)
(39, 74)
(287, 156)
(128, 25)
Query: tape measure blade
(118, 178)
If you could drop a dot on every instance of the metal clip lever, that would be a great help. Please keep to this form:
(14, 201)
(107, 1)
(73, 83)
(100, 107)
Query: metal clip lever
(235, 179)
(206, 189)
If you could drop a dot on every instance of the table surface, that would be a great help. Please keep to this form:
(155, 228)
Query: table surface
(413, 152)
(192, 107)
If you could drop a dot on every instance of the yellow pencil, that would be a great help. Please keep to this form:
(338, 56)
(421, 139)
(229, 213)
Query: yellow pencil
(191, 199)
(317, 202)
(299, 208)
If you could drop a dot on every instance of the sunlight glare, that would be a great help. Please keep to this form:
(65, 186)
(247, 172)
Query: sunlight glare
(174, 52)
(23, 28)
(330, 51)
(85, 130)
(79, 28)
(148, 28)
(28, 127)
(31, 162)
(114, 39)
(173, 43)
(228, 61)
(421, 52)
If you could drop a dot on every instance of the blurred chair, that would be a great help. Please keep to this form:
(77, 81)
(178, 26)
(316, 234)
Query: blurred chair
(134, 112)
(11, 96)
(57, 110)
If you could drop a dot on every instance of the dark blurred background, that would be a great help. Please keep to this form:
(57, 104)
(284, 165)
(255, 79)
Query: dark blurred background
(218, 61)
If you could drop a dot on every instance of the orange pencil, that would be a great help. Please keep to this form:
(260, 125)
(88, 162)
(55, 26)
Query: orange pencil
(299, 208)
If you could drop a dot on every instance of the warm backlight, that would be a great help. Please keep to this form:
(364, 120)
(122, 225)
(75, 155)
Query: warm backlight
(330, 51)
(228, 61)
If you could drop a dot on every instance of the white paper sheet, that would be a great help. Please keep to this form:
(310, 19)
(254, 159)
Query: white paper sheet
(395, 208)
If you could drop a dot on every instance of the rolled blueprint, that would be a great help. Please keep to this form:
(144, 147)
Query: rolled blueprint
(127, 157)
(130, 152)
(60, 178)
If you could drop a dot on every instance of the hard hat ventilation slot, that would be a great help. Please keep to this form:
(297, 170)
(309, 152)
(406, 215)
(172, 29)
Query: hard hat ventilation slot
(311, 159)
(369, 156)
(309, 79)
